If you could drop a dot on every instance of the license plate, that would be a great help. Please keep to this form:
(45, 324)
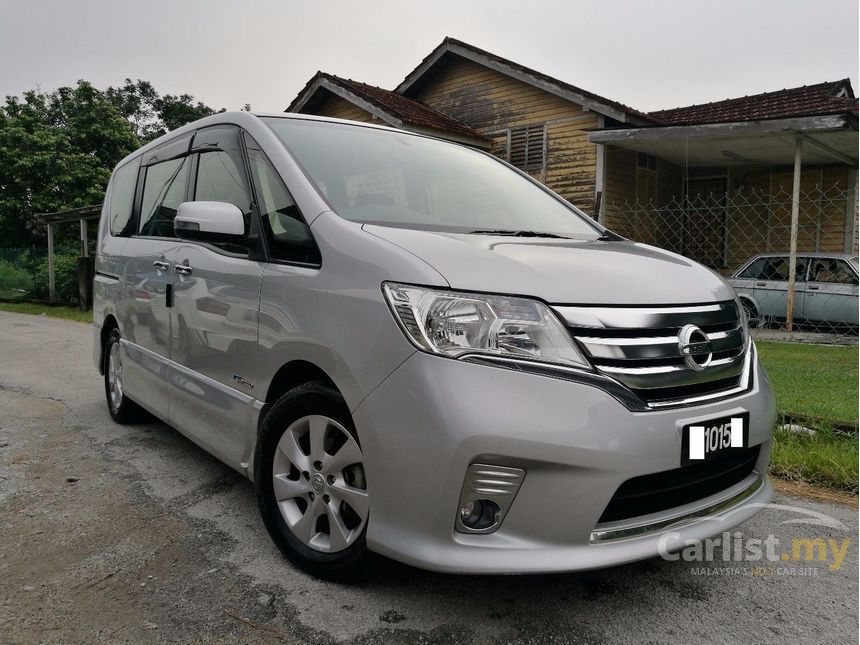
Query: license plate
(706, 440)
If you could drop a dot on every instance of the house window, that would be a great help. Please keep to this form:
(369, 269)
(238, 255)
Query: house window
(646, 161)
(526, 147)
(646, 178)
(701, 172)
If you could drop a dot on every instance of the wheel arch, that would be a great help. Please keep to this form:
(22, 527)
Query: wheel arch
(290, 375)
(745, 297)
(110, 323)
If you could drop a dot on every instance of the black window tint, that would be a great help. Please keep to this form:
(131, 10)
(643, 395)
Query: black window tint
(289, 237)
(774, 268)
(800, 270)
(164, 190)
(121, 198)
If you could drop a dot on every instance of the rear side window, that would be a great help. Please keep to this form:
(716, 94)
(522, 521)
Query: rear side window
(164, 190)
(121, 198)
(832, 271)
(289, 237)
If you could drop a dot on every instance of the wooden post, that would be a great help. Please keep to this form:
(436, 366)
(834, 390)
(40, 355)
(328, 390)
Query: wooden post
(850, 209)
(51, 289)
(84, 250)
(795, 218)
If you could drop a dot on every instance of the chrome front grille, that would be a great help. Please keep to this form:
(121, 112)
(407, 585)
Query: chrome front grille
(641, 348)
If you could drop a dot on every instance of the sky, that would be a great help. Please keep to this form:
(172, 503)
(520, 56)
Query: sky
(648, 54)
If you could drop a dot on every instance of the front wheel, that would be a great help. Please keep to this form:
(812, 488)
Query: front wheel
(754, 320)
(310, 482)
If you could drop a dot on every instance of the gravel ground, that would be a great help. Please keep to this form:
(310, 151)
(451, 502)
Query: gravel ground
(133, 534)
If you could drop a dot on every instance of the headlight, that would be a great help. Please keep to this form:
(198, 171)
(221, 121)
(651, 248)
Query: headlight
(469, 324)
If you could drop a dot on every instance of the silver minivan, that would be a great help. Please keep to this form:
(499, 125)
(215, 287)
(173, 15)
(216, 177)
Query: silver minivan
(414, 349)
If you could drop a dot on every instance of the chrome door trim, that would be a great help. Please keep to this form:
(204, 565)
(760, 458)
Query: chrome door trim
(226, 389)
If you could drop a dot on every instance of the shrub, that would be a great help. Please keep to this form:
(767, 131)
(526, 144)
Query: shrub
(13, 278)
(65, 278)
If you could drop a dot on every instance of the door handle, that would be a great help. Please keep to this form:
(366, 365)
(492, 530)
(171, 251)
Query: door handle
(161, 265)
(761, 284)
(184, 269)
(812, 287)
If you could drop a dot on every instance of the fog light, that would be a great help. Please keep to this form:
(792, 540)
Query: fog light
(480, 514)
(487, 494)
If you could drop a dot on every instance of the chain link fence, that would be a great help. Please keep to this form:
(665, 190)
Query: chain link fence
(746, 236)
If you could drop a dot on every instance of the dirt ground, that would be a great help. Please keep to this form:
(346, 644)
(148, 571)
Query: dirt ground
(133, 534)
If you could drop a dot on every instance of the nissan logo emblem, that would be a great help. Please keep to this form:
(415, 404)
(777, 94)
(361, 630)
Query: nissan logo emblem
(695, 347)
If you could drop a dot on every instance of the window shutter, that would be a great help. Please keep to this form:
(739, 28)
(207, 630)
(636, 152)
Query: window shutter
(526, 149)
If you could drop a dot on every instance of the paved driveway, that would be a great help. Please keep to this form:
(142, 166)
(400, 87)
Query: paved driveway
(134, 534)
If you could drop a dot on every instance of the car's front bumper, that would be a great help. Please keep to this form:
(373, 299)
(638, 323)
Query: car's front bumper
(423, 426)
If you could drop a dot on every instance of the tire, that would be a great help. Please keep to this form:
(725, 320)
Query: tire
(122, 409)
(754, 321)
(310, 484)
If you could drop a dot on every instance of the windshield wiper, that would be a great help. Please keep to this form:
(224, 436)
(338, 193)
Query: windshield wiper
(515, 233)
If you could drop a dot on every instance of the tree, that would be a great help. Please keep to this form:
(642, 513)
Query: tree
(56, 151)
(176, 111)
(135, 100)
(153, 115)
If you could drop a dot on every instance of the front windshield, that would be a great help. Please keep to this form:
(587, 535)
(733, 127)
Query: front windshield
(395, 179)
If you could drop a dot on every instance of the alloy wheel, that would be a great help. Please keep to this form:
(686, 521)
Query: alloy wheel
(114, 374)
(319, 483)
(750, 312)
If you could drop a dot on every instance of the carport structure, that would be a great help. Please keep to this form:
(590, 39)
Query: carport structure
(82, 215)
(718, 147)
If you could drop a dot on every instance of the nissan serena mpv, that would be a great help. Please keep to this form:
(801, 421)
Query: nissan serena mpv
(414, 349)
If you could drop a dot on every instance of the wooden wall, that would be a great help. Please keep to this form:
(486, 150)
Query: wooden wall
(338, 108)
(492, 103)
(756, 214)
(823, 208)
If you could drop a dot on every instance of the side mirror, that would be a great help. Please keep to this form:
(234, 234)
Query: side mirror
(209, 222)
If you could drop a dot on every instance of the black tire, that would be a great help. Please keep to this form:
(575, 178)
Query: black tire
(122, 410)
(314, 398)
(754, 321)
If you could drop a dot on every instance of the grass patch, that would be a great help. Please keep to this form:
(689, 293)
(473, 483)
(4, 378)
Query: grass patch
(826, 458)
(67, 313)
(14, 279)
(813, 383)
(817, 386)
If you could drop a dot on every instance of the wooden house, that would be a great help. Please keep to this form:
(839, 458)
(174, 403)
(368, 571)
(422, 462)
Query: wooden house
(606, 158)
